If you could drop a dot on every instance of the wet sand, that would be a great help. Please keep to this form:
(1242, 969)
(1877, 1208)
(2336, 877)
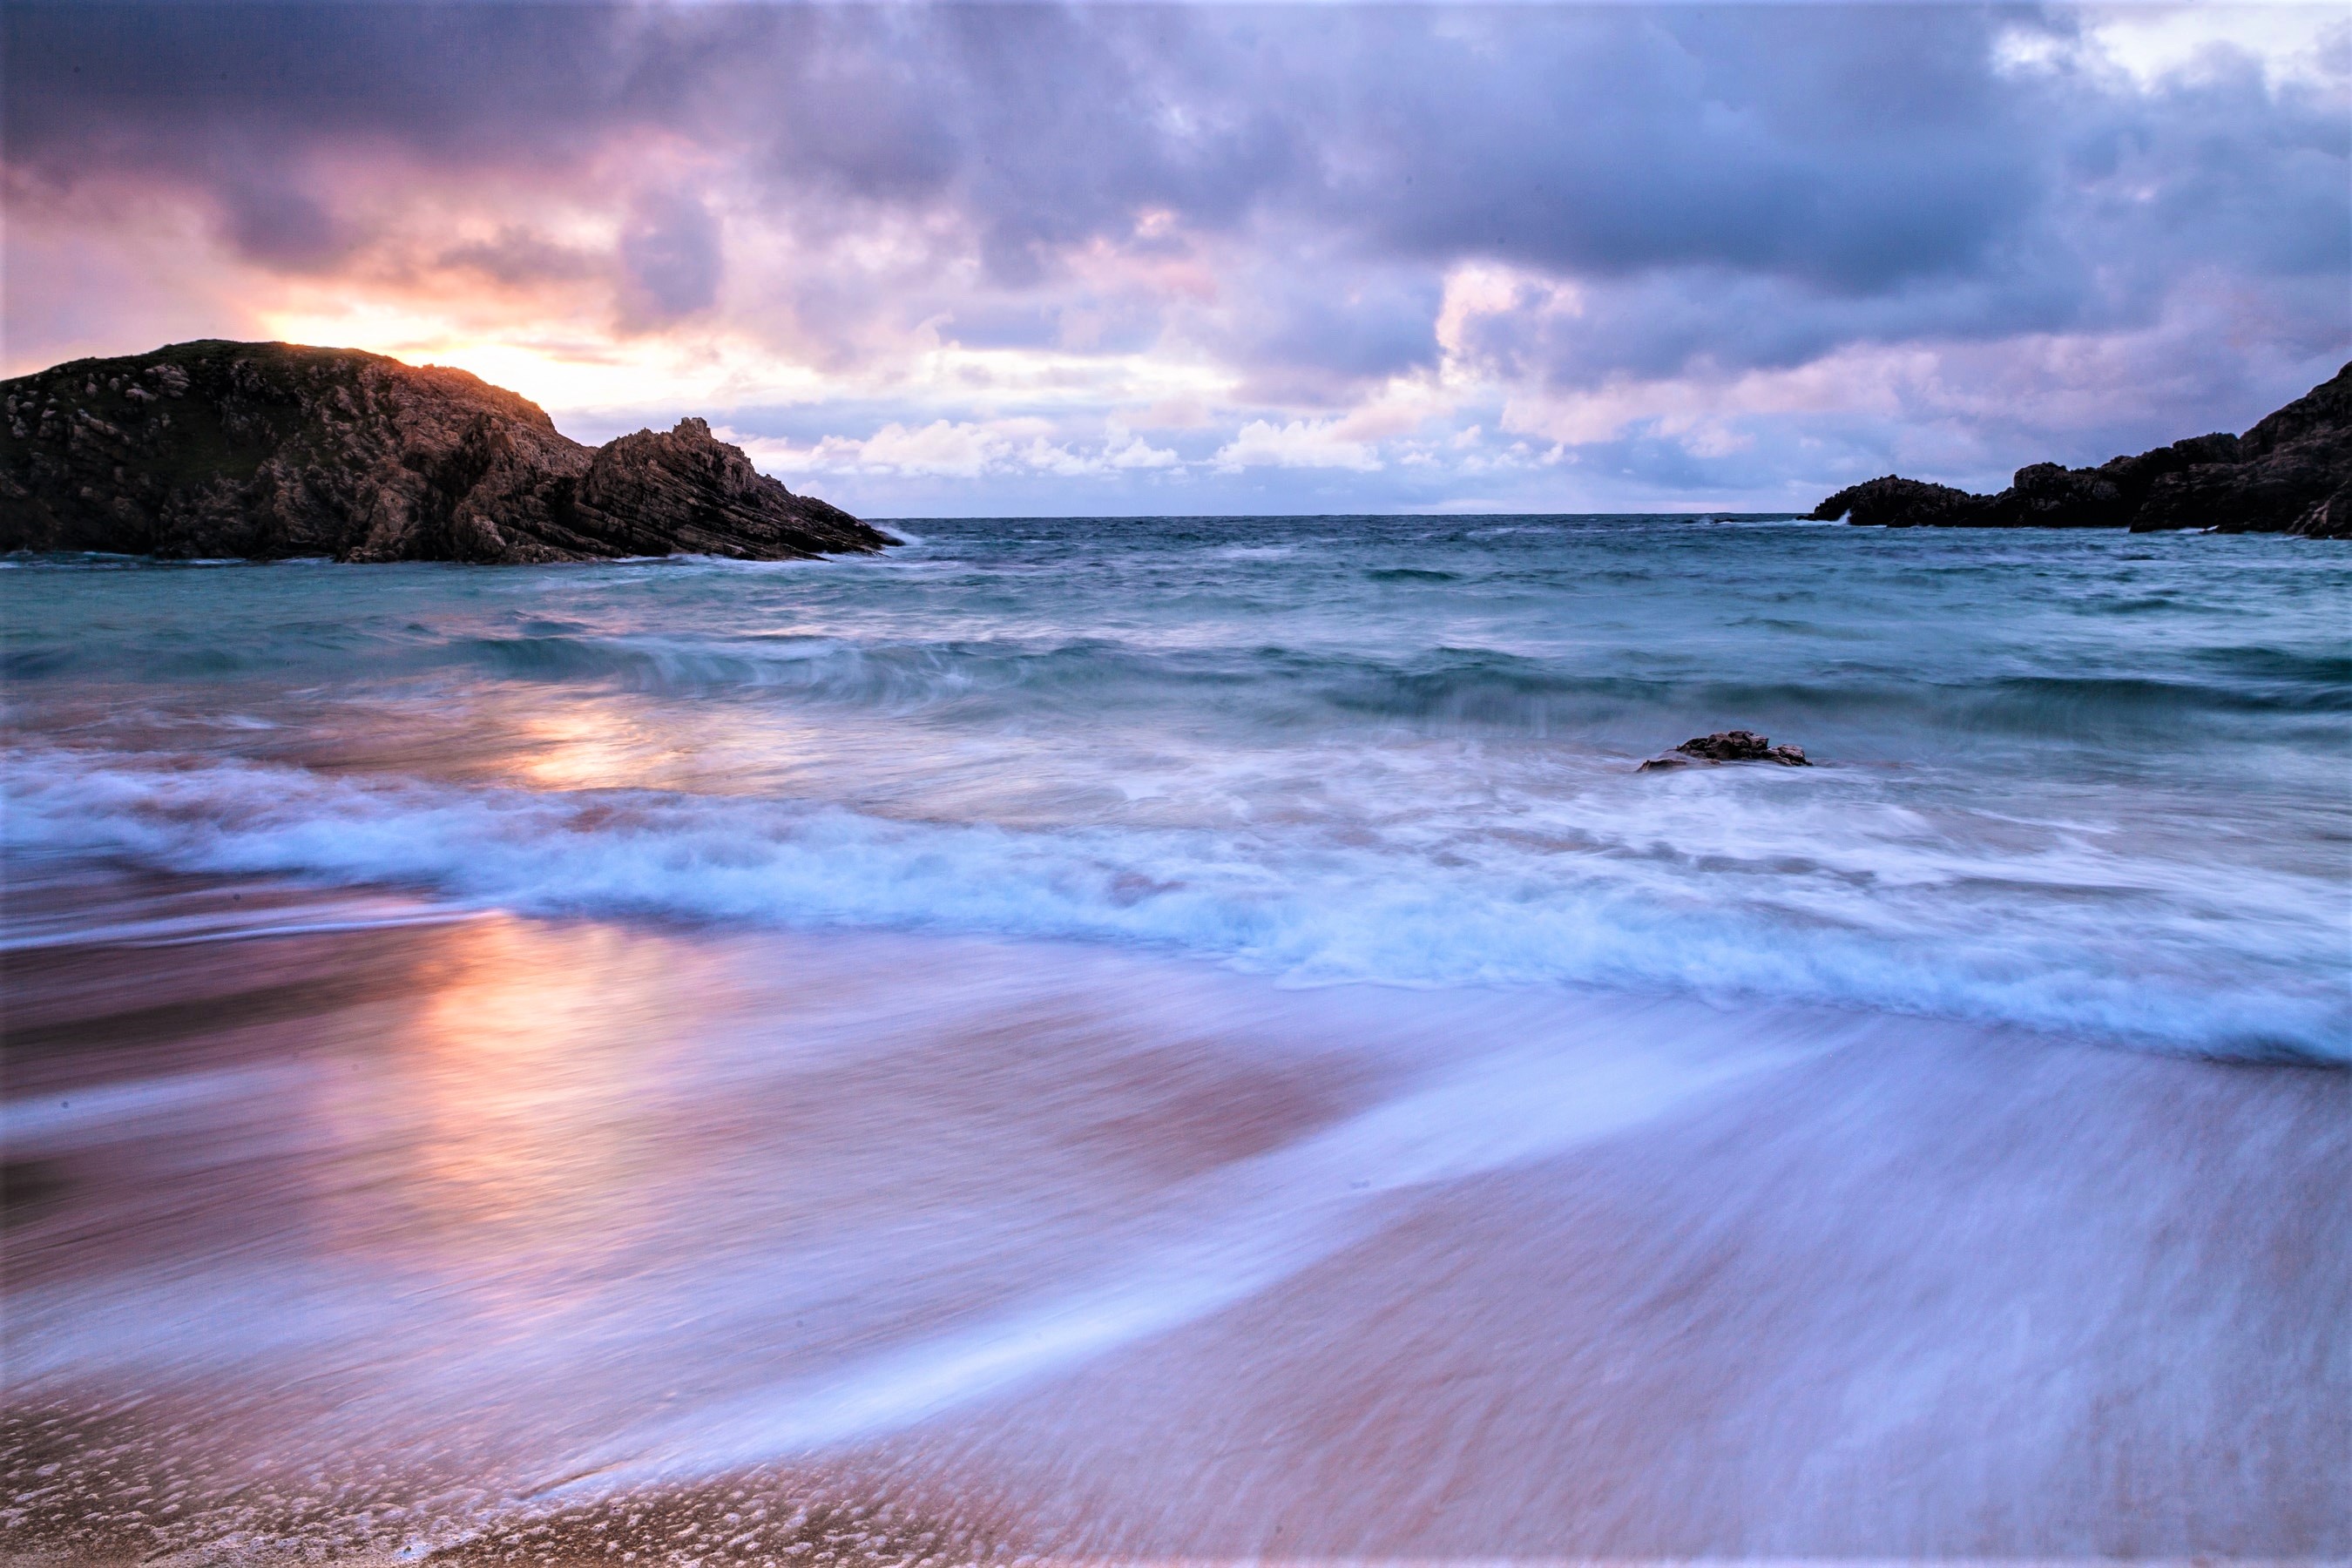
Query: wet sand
(340, 1227)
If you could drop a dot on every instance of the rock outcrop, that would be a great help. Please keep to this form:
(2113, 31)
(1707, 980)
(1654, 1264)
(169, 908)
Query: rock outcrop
(271, 450)
(1727, 746)
(2292, 473)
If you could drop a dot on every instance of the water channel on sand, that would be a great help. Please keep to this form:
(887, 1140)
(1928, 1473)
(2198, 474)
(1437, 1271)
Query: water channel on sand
(345, 1223)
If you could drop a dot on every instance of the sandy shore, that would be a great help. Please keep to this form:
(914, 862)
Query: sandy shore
(340, 1227)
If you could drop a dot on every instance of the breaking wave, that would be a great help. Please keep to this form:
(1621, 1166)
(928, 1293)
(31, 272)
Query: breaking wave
(1934, 931)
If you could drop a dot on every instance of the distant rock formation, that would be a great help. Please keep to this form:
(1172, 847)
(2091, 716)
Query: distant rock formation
(271, 450)
(1727, 746)
(2290, 474)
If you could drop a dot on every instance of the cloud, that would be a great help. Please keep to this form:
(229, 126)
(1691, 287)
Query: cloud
(966, 449)
(1325, 240)
(518, 258)
(1122, 449)
(1297, 445)
(670, 256)
(279, 223)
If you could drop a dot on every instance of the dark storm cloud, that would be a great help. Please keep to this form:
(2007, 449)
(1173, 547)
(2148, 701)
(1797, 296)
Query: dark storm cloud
(1749, 186)
(185, 87)
(518, 258)
(671, 252)
(1309, 331)
(1848, 147)
(277, 222)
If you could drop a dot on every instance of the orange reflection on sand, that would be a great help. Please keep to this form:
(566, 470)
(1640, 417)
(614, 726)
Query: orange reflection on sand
(520, 1094)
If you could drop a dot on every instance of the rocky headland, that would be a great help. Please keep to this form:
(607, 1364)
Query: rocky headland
(2292, 473)
(271, 450)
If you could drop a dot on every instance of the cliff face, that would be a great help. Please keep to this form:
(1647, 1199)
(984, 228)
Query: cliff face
(2292, 473)
(268, 450)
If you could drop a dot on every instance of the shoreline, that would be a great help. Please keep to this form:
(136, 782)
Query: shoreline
(472, 1208)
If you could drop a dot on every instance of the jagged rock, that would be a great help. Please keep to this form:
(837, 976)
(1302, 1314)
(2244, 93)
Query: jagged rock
(1892, 501)
(2283, 476)
(707, 488)
(1726, 746)
(267, 450)
(2328, 519)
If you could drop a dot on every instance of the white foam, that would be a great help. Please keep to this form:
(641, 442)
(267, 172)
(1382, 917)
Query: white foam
(1883, 918)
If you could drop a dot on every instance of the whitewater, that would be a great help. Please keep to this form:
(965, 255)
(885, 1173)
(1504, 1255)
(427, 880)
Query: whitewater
(2086, 783)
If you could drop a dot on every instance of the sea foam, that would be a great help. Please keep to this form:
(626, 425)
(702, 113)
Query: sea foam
(1398, 907)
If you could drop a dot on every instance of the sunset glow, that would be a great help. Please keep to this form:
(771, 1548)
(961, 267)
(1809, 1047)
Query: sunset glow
(1142, 259)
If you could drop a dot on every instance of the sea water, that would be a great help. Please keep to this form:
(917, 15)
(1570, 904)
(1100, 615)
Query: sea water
(1181, 1038)
(2088, 782)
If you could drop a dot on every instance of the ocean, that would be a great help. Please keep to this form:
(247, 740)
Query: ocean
(1185, 1038)
(2088, 782)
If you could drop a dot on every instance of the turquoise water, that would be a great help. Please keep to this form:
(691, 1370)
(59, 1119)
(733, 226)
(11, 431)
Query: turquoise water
(2086, 783)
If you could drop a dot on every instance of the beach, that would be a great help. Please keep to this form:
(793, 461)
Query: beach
(1180, 1041)
(473, 1236)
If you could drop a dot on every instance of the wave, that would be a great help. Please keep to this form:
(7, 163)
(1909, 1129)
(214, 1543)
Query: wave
(2162, 967)
(2228, 690)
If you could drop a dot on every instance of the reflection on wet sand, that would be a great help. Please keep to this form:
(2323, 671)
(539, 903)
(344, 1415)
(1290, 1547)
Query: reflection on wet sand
(528, 1088)
(335, 1230)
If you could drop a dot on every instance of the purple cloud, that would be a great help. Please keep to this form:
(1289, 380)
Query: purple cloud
(1535, 254)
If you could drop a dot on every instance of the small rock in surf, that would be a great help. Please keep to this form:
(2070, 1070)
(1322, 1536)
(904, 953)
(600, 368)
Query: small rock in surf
(1727, 746)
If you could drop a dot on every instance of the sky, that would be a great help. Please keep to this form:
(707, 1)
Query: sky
(1116, 259)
